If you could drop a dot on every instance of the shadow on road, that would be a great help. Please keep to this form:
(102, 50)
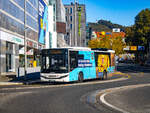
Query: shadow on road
(28, 77)
(132, 68)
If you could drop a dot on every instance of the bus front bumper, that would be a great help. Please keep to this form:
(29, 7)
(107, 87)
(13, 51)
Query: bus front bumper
(55, 77)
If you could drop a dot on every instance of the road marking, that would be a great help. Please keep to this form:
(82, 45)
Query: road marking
(124, 74)
(111, 90)
(66, 85)
(110, 105)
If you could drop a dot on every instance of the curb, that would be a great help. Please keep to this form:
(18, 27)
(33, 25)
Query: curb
(10, 83)
(101, 95)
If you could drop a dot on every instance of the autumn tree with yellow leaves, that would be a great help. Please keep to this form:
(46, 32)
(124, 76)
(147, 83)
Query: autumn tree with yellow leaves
(110, 42)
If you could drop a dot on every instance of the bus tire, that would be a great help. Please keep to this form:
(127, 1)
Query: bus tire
(104, 75)
(80, 77)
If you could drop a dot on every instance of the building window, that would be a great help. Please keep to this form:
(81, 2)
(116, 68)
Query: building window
(20, 3)
(71, 18)
(71, 10)
(54, 8)
(34, 3)
(71, 26)
(54, 12)
(31, 10)
(8, 62)
(12, 9)
(31, 22)
(9, 46)
(66, 10)
(10, 24)
(54, 28)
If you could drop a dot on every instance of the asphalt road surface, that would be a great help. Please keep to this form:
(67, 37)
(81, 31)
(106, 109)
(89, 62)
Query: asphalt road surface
(133, 100)
(67, 98)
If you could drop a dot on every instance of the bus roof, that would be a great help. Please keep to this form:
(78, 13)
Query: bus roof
(104, 50)
(108, 51)
(89, 49)
(80, 48)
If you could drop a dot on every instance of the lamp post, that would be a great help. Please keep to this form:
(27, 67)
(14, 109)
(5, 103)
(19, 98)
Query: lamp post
(25, 44)
(75, 23)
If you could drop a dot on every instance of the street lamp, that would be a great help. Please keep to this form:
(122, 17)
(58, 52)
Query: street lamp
(75, 23)
(25, 44)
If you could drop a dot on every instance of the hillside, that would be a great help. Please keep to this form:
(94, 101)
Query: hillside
(104, 25)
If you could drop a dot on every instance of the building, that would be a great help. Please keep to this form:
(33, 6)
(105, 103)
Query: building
(12, 32)
(42, 22)
(51, 39)
(94, 35)
(88, 34)
(75, 24)
(60, 24)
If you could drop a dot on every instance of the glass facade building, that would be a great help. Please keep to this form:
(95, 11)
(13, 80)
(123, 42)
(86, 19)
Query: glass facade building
(12, 31)
(15, 9)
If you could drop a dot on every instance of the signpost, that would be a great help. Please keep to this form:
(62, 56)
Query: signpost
(25, 44)
(133, 48)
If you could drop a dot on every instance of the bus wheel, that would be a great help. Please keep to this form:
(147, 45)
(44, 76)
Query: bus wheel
(104, 75)
(80, 77)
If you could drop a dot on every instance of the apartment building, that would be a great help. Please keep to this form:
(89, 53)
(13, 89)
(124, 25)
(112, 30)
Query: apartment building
(75, 24)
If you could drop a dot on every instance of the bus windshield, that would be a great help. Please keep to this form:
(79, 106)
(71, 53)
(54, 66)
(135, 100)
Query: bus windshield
(56, 63)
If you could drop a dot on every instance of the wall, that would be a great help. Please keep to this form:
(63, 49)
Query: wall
(60, 26)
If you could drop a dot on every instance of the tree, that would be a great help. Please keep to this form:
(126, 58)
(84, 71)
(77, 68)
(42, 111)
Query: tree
(142, 27)
(118, 45)
(139, 33)
(94, 43)
(130, 38)
(109, 42)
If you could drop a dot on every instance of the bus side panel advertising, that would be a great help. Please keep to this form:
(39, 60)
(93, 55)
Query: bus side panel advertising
(102, 64)
(111, 69)
(86, 65)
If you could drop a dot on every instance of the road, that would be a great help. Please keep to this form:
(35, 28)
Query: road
(68, 98)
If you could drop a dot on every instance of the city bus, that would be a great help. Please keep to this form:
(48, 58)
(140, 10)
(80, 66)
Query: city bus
(76, 64)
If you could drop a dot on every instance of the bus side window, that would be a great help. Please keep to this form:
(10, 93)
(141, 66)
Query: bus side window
(80, 57)
(73, 60)
(43, 60)
(96, 59)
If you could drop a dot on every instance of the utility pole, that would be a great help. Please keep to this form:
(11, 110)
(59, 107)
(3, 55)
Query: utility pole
(25, 44)
(75, 30)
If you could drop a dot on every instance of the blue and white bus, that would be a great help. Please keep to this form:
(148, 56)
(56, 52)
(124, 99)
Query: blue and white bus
(76, 64)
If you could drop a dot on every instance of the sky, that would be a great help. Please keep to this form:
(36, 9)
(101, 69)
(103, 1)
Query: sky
(121, 12)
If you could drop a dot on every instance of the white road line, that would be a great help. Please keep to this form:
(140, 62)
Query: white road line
(111, 90)
(102, 98)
